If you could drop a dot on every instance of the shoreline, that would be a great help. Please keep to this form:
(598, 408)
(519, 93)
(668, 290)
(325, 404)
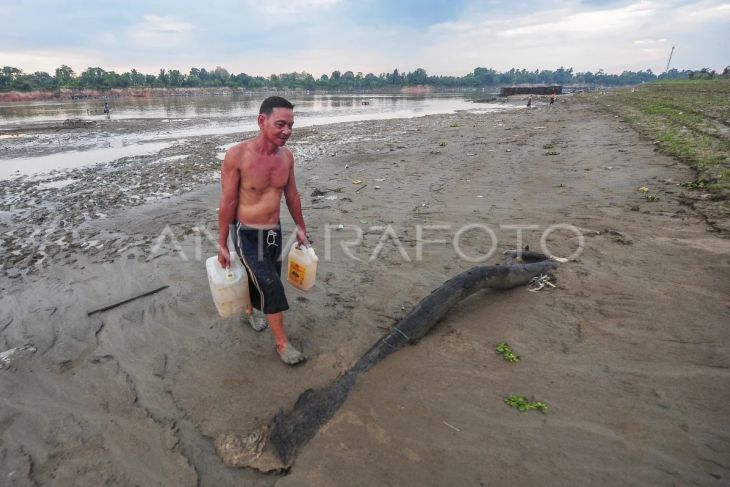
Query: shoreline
(627, 359)
(67, 94)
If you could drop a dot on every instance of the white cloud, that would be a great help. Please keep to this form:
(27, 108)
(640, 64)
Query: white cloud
(625, 37)
(649, 41)
(280, 9)
(160, 32)
(587, 23)
(48, 60)
(702, 12)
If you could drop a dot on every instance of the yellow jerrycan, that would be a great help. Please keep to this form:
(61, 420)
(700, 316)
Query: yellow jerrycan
(229, 287)
(302, 268)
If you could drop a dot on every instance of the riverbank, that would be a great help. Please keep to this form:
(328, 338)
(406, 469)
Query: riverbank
(79, 94)
(84, 94)
(688, 120)
(626, 359)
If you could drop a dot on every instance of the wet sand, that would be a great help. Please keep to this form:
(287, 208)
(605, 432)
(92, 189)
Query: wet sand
(629, 351)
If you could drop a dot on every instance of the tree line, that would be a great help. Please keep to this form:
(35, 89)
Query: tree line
(14, 79)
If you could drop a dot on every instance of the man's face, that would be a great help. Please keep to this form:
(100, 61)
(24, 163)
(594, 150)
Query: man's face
(277, 126)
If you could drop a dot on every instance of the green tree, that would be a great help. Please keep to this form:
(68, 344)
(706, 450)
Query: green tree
(484, 76)
(417, 77)
(7, 75)
(163, 78)
(334, 81)
(65, 75)
(176, 77)
(138, 79)
(92, 78)
(220, 75)
(395, 77)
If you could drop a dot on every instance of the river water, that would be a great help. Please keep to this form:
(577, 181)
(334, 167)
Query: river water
(315, 109)
(195, 116)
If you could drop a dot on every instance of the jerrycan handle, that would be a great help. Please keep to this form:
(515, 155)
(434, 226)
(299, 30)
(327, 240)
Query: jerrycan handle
(300, 247)
(229, 274)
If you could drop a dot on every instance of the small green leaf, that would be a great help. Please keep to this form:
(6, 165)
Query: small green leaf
(507, 353)
(521, 403)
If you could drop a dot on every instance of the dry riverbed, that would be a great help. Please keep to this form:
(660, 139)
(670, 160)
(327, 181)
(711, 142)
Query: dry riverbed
(629, 351)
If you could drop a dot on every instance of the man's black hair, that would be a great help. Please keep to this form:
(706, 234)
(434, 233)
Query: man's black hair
(274, 102)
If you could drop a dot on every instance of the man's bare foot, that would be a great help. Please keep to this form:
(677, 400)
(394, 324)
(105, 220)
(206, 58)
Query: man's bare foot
(257, 320)
(290, 355)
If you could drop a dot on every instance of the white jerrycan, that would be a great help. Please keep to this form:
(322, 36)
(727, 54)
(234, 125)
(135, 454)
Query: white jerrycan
(302, 268)
(229, 287)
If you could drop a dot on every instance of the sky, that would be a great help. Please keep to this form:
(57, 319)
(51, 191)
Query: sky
(449, 37)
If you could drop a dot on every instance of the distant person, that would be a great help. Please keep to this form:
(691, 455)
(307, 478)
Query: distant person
(552, 99)
(255, 173)
(529, 101)
(106, 107)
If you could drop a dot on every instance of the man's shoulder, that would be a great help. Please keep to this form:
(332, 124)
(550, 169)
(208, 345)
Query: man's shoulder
(240, 147)
(238, 151)
(286, 153)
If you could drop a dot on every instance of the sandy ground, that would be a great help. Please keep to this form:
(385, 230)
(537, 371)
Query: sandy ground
(630, 351)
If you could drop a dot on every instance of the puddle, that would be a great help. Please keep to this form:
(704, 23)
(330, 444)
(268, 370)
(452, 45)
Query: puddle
(74, 159)
(305, 120)
(56, 184)
(157, 196)
(171, 158)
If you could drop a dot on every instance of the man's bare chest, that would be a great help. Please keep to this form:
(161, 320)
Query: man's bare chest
(259, 176)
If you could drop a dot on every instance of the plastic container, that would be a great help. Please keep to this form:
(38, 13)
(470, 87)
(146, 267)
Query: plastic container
(302, 268)
(229, 287)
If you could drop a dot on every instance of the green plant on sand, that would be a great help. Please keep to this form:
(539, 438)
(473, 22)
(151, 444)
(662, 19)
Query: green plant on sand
(521, 403)
(507, 353)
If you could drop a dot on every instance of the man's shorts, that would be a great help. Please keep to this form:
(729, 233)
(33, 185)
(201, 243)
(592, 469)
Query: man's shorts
(260, 253)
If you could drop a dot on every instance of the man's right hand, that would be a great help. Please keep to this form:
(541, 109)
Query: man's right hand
(224, 257)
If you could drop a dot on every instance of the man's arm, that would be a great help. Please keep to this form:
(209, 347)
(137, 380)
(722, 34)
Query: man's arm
(230, 178)
(294, 203)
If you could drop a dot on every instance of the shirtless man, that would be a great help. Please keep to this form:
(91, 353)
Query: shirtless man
(255, 173)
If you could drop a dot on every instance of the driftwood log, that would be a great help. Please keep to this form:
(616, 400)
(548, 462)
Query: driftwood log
(274, 446)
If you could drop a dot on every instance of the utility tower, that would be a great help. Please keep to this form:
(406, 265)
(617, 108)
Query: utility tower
(670, 60)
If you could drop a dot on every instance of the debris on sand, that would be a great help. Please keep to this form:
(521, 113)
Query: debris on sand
(78, 123)
(6, 357)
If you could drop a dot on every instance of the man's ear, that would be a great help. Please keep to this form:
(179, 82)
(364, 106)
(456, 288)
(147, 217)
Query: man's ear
(261, 119)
